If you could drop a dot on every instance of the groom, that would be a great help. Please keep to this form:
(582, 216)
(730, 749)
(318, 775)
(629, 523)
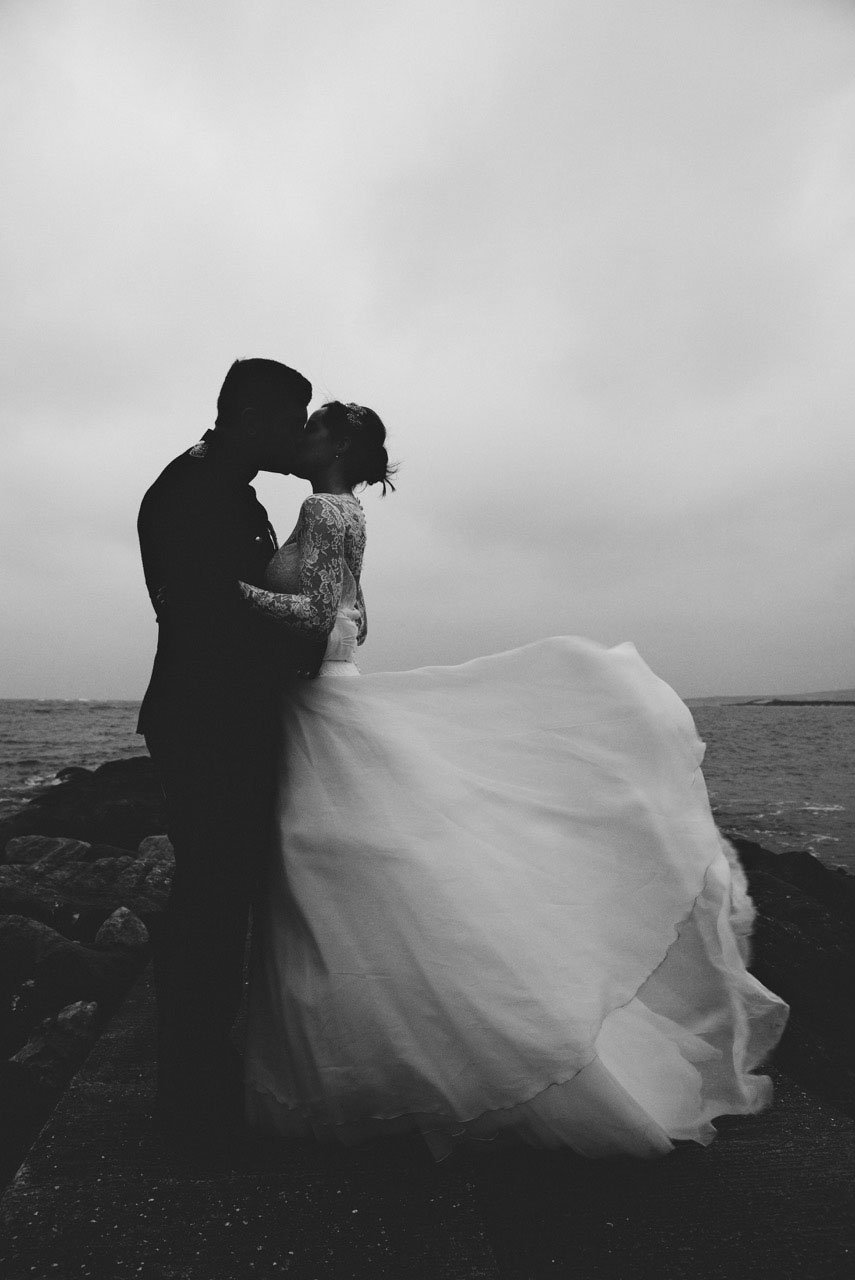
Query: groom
(208, 721)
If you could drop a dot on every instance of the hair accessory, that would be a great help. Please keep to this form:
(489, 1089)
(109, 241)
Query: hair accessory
(354, 416)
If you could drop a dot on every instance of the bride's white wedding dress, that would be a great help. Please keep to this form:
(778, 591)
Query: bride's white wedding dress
(497, 900)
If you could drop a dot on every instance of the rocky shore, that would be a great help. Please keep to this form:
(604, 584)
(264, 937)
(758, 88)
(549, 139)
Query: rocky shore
(84, 876)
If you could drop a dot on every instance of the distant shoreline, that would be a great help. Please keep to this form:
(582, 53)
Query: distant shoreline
(796, 702)
(831, 698)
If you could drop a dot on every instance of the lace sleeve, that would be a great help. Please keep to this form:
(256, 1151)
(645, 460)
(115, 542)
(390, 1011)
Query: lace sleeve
(320, 541)
(362, 624)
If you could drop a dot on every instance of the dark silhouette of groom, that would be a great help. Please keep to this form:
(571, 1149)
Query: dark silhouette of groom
(209, 723)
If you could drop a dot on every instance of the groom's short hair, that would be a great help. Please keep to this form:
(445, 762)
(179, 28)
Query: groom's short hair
(258, 383)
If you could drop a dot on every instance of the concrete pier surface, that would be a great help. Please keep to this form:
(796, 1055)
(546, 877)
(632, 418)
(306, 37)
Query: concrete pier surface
(101, 1195)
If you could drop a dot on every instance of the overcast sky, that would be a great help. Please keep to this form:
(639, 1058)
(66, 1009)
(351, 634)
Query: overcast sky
(592, 262)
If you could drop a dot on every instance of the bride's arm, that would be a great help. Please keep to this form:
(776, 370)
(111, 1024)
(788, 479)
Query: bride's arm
(362, 625)
(320, 542)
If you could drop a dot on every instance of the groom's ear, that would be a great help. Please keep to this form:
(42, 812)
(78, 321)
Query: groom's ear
(249, 422)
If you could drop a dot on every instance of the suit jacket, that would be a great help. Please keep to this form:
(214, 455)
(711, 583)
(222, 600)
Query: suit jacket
(201, 530)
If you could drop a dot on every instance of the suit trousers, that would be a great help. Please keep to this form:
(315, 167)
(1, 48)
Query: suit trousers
(217, 782)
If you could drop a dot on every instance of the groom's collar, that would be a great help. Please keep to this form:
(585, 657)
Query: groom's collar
(218, 449)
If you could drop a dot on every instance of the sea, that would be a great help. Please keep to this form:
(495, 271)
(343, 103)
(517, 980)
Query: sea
(781, 775)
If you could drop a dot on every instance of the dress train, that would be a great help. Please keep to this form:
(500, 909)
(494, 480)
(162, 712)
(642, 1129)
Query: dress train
(498, 903)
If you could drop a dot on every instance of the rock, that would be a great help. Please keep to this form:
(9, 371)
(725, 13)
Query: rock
(118, 804)
(74, 886)
(803, 871)
(804, 950)
(158, 848)
(60, 1044)
(156, 858)
(40, 970)
(122, 930)
(73, 771)
(54, 851)
(22, 849)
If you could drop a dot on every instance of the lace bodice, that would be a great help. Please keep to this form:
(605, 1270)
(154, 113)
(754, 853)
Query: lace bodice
(312, 582)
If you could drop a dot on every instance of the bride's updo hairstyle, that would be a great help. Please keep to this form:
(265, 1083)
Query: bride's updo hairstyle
(366, 460)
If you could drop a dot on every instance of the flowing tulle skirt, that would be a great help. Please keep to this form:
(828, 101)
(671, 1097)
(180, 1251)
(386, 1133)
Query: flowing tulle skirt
(498, 902)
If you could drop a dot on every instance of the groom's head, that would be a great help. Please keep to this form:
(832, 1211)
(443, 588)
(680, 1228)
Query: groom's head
(262, 409)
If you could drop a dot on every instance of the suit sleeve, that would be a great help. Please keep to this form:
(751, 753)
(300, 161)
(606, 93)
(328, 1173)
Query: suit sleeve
(190, 554)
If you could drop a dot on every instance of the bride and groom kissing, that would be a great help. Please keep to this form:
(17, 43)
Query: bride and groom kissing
(487, 900)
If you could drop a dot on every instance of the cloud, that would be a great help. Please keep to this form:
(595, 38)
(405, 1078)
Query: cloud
(594, 265)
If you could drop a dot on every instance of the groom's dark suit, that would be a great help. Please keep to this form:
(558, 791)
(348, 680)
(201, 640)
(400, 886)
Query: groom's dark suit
(208, 719)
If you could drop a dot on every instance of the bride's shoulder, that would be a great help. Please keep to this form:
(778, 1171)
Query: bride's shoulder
(334, 506)
(326, 509)
(319, 502)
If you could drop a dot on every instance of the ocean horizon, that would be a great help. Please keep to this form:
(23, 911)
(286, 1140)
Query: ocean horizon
(781, 775)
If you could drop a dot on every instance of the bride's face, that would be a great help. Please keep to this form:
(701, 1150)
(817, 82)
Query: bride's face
(316, 447)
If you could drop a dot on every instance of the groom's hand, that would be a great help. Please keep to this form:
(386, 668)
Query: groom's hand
(308, 658)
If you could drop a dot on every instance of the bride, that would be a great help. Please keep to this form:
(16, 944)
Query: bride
(497, 901)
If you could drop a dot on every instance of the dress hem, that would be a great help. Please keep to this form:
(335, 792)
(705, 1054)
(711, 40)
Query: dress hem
(316, 1117)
